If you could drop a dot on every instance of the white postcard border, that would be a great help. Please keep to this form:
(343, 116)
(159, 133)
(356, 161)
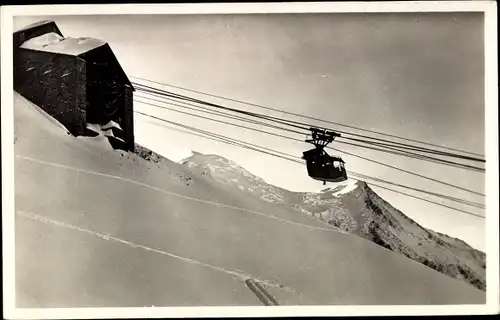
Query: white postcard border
(491, 127)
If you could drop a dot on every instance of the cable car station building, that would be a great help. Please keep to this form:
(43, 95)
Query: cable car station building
(75, 80)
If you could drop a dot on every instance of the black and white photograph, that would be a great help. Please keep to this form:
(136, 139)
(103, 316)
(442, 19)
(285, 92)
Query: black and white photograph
(181, 156)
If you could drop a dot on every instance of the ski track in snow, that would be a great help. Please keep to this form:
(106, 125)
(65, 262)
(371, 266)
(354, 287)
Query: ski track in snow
(238, 275)
(172, 193)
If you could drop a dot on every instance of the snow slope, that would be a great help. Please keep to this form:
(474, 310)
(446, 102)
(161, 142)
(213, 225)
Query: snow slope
(355, 208)
(100, 227)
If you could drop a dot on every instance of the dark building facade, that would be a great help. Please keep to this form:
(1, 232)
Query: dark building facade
(76, 81)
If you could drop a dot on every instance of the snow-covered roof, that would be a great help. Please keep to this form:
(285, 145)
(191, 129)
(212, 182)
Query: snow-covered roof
(42, 40)
(52, 42)
(35, 24)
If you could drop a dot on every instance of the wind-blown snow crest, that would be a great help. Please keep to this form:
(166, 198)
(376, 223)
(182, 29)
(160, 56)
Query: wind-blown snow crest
(184, 158)
(347, 187)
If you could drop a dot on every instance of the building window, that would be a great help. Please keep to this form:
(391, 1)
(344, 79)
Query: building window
(29, 67)
(47, 68)
(65, 73)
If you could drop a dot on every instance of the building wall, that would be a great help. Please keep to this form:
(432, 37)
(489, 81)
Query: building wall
(54, 82)
(105, 76)
(128, 119)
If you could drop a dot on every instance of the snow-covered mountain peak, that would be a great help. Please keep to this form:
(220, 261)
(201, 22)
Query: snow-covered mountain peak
(344, 188)
(218, 165)
(230, 173)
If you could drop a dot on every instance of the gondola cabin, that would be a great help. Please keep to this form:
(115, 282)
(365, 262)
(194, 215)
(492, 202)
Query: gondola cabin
(320, 165)
(323, 167)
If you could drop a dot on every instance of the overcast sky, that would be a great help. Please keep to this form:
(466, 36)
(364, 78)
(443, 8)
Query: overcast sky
(419, 76)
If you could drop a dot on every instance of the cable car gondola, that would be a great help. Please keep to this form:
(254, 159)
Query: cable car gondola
(320, 165)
